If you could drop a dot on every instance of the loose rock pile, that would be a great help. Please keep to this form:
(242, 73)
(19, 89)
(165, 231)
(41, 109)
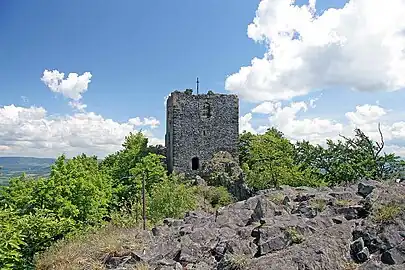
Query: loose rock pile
(356, 227)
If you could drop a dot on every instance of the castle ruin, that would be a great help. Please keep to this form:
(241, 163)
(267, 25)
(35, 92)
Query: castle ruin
(197, 127)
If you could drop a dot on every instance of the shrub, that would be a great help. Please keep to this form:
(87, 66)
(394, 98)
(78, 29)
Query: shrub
(216, 196)
(171, 198)
(11, 240)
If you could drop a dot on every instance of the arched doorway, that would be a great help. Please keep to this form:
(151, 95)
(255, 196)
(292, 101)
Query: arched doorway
(195, 163)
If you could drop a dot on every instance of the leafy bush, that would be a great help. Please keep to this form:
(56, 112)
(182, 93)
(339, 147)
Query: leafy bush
(11, 240)
(171, 198)
(216, 196)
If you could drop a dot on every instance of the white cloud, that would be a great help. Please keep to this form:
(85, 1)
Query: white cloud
(267, 107)
(147, 121)
(360, 46)
(365, 114)
(4, 147)
(32, 132)
(165, 100)
(290, 121)
(78, 105)
(245, 125)
(72, 87)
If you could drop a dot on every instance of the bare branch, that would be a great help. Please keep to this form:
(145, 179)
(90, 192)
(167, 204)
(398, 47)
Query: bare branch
(380, 146)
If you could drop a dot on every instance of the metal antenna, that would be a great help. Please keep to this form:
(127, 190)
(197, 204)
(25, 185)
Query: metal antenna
(198, 85)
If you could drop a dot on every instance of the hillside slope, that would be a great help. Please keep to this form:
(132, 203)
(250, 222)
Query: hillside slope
(356, 227)
(14, 166)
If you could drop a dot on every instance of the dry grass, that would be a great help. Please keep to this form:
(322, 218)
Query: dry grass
(238, 262)
(87, 251)
(343, 203)
(276, 198)
(350, 266)
(318, 204)
(386, 213)
(295, 236)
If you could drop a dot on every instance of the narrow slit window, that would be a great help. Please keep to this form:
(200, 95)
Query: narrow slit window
(195, 163)
(206, 110)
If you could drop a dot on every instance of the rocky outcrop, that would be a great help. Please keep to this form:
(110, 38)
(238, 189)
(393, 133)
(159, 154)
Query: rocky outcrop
(223, 170)
(356, 227)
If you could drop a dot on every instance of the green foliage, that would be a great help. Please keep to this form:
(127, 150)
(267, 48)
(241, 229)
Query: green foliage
(348, 160)
(210, 92)
(11, 240)
(75, 195)
(189, 91)
(171, 198)
(118, 167)
(216, 196)
(268, 161)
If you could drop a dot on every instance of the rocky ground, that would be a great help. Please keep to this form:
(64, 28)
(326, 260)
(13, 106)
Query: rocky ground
(355, 227)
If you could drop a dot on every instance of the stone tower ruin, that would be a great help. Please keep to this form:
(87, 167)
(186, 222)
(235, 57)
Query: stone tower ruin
(197, 127)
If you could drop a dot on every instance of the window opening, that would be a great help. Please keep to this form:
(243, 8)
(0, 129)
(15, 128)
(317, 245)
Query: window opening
(195, 163)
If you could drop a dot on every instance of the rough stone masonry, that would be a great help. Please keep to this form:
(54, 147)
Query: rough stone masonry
(197, 127)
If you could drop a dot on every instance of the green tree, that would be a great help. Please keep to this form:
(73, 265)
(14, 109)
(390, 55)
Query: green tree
(268, 161)
(171, 198)
(349, 159)
(74, 196)
(118, 166)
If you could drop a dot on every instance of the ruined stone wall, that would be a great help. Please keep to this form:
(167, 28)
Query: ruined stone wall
(198, 126)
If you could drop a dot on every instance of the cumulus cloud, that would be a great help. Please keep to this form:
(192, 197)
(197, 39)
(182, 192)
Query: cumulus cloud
(147, 121)
(245, 125)
(365, 114)
(77, 105)
(32, 132)
(291, 120)
(360, 46)
(72, 87)
(285, 118)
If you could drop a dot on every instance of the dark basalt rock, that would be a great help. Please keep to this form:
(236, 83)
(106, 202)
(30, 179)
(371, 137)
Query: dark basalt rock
(290, 233)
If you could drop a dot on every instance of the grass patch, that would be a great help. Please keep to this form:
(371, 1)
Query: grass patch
(318, 204)
(343, 203)
(238, 262)
(87, 251)
(294, 235)
(350, 266)
(276, 198)
(386, 213)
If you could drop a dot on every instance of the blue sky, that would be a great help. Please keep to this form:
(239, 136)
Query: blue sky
(139, 51)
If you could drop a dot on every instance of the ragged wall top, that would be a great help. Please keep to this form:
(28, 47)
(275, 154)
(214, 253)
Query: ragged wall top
(198, 126)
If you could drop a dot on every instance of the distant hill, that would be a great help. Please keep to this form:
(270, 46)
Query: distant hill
(15, 166)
